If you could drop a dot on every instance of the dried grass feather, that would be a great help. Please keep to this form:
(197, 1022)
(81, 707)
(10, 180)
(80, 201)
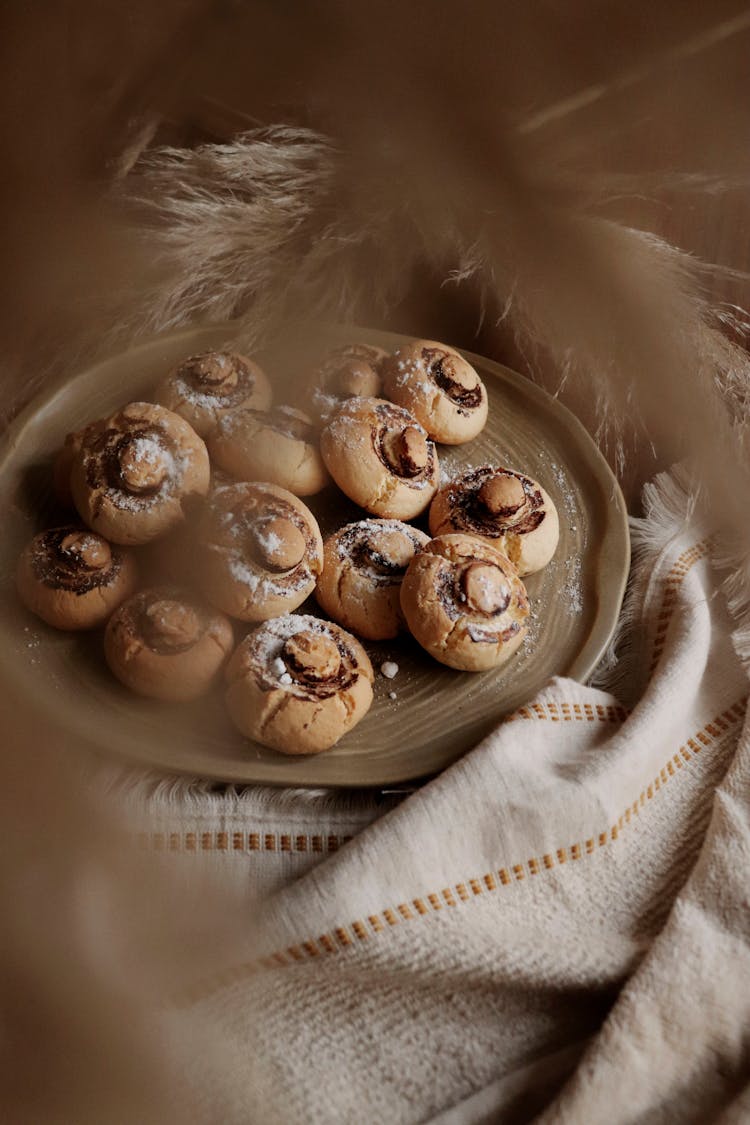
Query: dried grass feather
(530, 206)
(280, 222)
(276, 224)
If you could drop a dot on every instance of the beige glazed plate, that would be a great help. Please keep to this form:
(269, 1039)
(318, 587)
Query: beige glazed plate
(424, 718)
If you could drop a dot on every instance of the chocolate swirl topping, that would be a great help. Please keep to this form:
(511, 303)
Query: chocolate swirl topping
(73, 559)
(306, 656)
(384, 550)
(216, 375)
(455, 379)
(402, 444)
(132, 467)
(312, 658)
(258, 517)
(268, 539)
(494, 502)
(366, 556)
(479, 588)
(480, 635)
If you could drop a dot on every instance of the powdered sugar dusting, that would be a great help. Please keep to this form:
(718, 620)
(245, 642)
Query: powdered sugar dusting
(268, 540)
(568, 496)
(33, 642)
(268, 641)
(572, 588)
(352, 535)
(259, 582)
(324, 403)
(532, 632)
(271, 637)
(487, 586)
(482, 633)
(344, 428)
(145, 448)
(566, 574)
(415, 373)
(210, 398)
(145, 451)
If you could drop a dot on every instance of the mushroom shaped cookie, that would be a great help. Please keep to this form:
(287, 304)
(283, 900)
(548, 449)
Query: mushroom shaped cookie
(298, 684)
(353, 370)
(73, 578)
(278, 445)
(135, 471)
(262, 551)
(204, 387)
(165, 644)
(363, 566)
(442, 390)
(464, 603)
(503, 507)
(381, 457)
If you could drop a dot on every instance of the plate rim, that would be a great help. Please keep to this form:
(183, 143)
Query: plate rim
(617, 519)
(603, 627)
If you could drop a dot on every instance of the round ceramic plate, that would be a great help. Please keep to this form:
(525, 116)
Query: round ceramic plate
(421, 720)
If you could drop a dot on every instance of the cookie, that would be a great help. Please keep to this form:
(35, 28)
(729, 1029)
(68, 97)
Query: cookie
(278, 445)
(440, 388)
(381, 457)
(464, 603)
(166, 644)
(73, 578)
(507, 509)
(202, 388)
(353, 370)
(363, 566)
(261, 550)
(298, 684)
(135, 472)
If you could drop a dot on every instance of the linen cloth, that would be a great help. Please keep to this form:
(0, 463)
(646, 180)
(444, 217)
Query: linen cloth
(554, 928)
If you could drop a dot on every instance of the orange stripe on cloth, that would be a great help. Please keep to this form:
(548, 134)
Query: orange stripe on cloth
(675, 577)
(339, 938)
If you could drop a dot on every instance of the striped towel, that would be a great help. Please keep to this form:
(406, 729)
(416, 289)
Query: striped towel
(554, 928)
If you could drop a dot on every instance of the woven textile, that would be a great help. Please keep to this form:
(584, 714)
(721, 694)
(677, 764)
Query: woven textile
(557, 925)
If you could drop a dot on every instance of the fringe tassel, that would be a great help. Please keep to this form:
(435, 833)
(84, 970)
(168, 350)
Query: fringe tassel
(670, 506)
(137, 793)
(732, 557)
